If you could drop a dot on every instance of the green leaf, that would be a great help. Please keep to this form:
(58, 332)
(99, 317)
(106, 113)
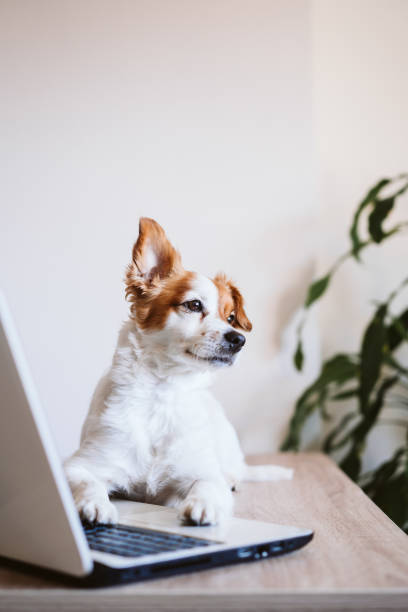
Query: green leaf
(356, 242)
(377, 216)
(392, 498)
(394, 230)
(336, 370)
(372, 352)
(321, 404)
(406, 455)
(393, 363)
(351, 463)
(404, 187)
(299, 357)
(345, 394)
(376, 405)
(316, 290)
(330, 444)
(303, 410)
(397, 331)
(383, 473)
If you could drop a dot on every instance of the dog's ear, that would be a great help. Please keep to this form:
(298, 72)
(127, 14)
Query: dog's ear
(241, 318)
(231, 300)
(153, 255)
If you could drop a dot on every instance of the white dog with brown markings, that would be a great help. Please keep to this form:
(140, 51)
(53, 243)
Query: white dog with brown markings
(154, 432)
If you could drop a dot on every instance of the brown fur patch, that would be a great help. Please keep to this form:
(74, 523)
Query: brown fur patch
(225, 302)
(154, 292)
(154, 312)
(230, 300)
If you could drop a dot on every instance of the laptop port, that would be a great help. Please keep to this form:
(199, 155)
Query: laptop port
(276, 548)
(245, 553)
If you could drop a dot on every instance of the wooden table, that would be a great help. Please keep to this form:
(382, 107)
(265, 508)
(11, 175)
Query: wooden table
(358, 559)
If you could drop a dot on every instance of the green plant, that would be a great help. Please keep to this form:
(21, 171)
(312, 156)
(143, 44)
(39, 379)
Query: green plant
(364, 379)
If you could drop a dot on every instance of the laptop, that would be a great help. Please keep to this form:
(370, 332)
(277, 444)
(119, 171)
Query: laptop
(39, 524)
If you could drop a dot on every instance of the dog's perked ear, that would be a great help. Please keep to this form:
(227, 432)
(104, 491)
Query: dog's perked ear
(154, 260)
(153, 255)
(231, 302)
(240, 315)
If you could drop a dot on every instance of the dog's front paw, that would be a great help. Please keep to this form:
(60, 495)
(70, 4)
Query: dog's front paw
(97, 510)
(198, 511)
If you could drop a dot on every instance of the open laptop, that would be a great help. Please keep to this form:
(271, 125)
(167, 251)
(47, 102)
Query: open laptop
(40, 525)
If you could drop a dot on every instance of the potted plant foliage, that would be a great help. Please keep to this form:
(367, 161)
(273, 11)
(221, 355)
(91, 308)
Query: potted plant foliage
(365, 379)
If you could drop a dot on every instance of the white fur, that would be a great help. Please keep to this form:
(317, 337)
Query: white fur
(154, 432)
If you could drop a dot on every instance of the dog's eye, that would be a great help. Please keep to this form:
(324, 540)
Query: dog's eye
(231, 318)
(194, 305)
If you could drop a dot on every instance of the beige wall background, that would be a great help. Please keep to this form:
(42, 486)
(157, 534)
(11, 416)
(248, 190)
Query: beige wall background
(249, 130)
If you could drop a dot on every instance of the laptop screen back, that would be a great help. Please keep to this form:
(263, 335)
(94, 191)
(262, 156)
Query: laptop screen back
(38, 520)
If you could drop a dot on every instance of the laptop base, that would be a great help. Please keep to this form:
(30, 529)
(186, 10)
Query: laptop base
(104, 576)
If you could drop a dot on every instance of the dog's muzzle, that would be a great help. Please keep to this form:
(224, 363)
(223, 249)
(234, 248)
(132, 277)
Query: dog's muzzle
(233, 341)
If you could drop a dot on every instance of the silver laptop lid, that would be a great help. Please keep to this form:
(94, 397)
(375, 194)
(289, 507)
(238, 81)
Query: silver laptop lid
(38, 520)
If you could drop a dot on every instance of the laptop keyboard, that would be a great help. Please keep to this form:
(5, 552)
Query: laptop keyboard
(130, 541)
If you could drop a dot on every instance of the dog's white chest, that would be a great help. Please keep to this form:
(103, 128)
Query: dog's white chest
(161, 429)
(162, 417)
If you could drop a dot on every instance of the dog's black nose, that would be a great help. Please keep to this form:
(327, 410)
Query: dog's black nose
(235, 341)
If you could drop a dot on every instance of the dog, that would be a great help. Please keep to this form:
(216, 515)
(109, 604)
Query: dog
(154, 432)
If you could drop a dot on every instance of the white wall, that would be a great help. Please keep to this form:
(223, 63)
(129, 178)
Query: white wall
(196, 113)
(217, 118)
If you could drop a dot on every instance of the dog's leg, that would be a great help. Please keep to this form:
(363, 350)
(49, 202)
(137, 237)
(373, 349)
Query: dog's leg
(206, 503)
(271, 473)
(90, 494)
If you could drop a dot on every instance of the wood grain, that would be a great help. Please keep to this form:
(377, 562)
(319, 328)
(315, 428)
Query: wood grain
(358, 559)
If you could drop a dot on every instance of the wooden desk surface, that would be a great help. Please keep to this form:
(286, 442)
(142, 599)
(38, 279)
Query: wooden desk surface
(358, 559)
